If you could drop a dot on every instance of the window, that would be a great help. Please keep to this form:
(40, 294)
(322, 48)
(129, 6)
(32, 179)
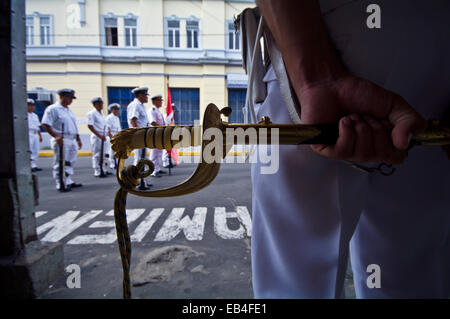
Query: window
(233, 37)
(30, 31)
(130, 32)
(111, 38)
(173, 27)
(187, 105)
(192, 34)
(123, 96)
(236, 100)
(45, 30)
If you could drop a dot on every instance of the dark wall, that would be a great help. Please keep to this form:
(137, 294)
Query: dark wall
(7, 166)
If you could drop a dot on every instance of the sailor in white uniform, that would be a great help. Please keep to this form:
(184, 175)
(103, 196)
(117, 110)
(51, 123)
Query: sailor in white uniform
(399, 225)
(57, 116)
(96, 123)
(34, 134)
(156, 118)
(137, 117)
(113, 126)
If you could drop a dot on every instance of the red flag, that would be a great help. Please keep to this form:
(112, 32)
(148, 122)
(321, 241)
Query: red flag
(170, 121)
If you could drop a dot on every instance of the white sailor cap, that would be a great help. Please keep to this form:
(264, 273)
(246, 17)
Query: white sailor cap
(67, 92)
(30, 101)
(113, 106)
(97, 99)
(137, 91)
(156, 96)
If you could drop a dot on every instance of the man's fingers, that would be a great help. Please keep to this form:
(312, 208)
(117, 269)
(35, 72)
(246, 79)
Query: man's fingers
(381, 139)
(344, 145)
(364, 148)
(385, 151)
(406, 121)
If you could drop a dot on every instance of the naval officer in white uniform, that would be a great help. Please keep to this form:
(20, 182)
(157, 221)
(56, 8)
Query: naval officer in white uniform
(96, 123)
(34, 134)
(113, 125)
(137, 117)
(399, 226)
(55, 117)
(156, 118)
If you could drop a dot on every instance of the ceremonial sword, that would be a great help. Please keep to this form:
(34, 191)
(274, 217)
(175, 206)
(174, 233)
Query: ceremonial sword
(168, 137)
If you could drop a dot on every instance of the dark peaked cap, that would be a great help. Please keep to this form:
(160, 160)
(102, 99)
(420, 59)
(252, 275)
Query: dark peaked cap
(66, 92)
(97, 100)
(140, 90)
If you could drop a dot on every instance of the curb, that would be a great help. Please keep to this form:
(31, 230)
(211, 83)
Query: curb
(50, 153)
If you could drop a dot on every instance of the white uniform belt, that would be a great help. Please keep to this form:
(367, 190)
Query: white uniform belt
(70, 136)
(33, 131)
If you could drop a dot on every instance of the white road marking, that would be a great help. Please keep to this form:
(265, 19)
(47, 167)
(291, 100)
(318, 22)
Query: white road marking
(220, 223)
(145, 226)
(110, 237)
(63, 225)
(40, 213)
(244, 217)
(192, 228)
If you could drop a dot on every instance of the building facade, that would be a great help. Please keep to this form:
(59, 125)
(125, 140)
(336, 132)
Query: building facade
(107, 47)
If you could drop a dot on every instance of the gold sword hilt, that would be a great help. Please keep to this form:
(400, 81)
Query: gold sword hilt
(168, 137)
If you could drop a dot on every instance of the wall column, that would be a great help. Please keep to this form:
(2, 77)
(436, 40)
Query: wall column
(27, 266)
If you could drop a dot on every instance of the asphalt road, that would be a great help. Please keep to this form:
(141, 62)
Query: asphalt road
(194, 246)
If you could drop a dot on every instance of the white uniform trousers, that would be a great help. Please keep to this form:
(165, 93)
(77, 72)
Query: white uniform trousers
(70, 156)
(305, 215)
(165, 159)
(96, 146)
(34, 147)
(110, 152)
(155, 157)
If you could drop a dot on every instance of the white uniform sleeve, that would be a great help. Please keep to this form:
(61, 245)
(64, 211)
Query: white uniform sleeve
(48, 117)
(151, 117)
(132, 112)
(90, 118)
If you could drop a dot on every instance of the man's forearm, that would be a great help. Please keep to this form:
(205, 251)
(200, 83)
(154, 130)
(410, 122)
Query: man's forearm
(301, 36)
(50, 131)
(93, 130)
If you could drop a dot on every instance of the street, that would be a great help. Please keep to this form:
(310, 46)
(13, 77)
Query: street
(198, 245)
(193, 246)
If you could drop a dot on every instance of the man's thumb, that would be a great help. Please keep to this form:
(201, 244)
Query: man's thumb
(406, 121)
